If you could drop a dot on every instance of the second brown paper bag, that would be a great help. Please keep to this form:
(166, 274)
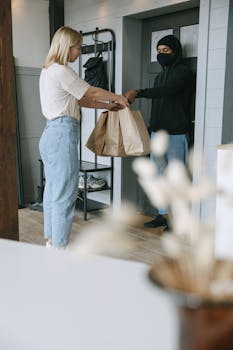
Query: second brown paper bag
(136, 139)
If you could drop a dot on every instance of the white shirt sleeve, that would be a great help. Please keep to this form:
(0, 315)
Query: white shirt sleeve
(71, 82)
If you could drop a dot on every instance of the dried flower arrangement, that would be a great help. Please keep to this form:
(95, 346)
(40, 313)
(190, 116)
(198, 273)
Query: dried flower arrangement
(187, 261)
(186, 264)
(186, 258)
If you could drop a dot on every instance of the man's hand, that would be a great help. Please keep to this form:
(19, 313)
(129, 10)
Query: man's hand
(131, 94)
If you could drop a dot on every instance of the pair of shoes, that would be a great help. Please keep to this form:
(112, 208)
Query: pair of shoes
(96, 183)
(92, 182)
(159, 221)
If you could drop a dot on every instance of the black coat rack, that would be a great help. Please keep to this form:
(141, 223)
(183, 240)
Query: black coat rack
(95, 48)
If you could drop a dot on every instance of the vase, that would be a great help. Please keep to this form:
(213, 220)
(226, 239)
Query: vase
(204, 324)
(205, 327)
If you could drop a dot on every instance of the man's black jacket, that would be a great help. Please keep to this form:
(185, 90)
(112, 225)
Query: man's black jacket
(172, 96)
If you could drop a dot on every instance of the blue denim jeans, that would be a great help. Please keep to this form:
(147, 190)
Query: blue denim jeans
(59, 152)
(177, 149)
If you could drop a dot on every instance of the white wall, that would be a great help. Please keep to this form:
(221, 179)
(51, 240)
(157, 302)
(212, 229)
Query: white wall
(209, 117)
(30, 31)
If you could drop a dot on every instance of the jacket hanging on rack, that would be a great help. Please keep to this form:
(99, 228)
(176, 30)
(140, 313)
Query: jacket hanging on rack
(96, 72)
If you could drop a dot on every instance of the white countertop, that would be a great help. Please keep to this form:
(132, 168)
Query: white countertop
(54, 300)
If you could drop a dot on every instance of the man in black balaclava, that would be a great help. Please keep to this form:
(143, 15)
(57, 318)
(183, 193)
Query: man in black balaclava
(170, 109)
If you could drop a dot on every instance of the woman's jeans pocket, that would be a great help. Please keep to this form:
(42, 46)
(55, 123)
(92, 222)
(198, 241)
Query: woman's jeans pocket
(49, 143)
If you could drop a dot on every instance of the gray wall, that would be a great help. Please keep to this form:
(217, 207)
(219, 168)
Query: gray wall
(132, 28)
(31, 125)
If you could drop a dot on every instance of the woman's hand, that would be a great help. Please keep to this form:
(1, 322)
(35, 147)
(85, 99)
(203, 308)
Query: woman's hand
(115, 106)
(122, 100)
(130, 95)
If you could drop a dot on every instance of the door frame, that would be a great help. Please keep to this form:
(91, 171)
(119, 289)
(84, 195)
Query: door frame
(8, 172)
(132, 28)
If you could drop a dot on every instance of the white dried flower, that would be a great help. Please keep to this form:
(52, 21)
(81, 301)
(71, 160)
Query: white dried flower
(177, 174)
(125, 214)
(108, 236)
(157, 191)
(202, 190)
(182, 218)
(204, 249)
(102, 239)
(195, 160)
(144, 167)
(178, 180)
(171, 246)
(159, 143)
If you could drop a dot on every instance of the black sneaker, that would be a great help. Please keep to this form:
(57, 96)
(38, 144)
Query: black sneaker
(157, 222)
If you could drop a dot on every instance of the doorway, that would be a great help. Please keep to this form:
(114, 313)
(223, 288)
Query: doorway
(139, 47)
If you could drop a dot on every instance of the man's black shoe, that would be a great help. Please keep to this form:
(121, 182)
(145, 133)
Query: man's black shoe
(157, 222)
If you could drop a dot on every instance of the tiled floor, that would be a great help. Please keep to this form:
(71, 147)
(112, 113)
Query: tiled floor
(145, 241)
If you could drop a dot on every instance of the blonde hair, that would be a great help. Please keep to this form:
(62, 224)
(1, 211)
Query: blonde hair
(63, 39)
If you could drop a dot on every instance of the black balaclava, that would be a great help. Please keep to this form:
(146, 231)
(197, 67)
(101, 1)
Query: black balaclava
(170, 59)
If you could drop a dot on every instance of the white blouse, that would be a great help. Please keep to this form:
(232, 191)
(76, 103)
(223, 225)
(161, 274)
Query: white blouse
(60, 90)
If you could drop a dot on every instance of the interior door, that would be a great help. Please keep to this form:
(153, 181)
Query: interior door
(184, 25)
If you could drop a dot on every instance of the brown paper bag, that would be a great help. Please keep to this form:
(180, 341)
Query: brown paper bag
(113, 145)
(120, 134)
(96, 140)
(135, 135)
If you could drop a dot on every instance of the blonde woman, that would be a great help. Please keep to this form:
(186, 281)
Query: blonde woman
(62, 92)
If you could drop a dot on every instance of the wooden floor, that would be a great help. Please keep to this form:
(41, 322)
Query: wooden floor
(146, 241)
